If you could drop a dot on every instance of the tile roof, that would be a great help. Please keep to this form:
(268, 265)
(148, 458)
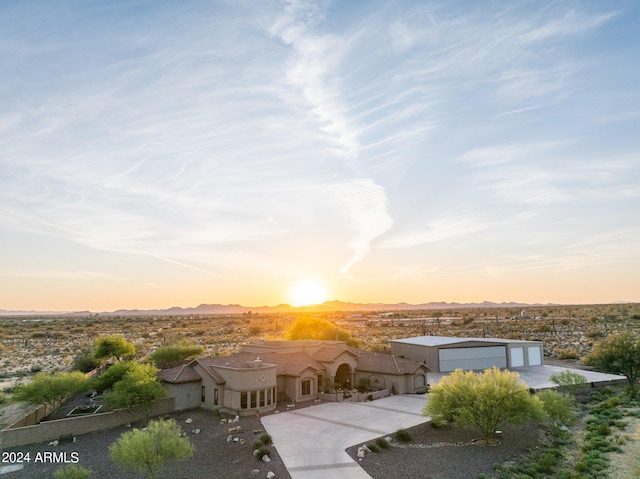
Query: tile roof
(387, 364)
(179, 374)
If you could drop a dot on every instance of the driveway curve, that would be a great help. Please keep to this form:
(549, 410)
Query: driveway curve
(312, 441)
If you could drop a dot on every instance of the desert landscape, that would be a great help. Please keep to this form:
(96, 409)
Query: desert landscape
(52, 343)
(30, 344)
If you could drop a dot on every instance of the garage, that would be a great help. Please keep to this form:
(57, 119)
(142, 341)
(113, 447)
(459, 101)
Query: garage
(481, 358)
(446, 354)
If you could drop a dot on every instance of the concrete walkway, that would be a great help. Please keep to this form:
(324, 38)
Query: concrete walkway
(538, 377)
(312, 441)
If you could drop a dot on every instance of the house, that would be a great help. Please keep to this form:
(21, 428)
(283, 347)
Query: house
(267, 372)
(446, 354)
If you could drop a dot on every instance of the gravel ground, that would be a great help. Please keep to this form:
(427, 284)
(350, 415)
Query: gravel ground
(214, 457)
(446, 453)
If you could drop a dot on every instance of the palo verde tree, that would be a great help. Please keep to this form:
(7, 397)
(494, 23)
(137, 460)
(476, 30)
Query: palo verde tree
(115, 373)
(149, 451)
(483, 401)
(175, 353)
(140, 386)
(618, 354)
(316, 328)
(108, 347)
(51, 389)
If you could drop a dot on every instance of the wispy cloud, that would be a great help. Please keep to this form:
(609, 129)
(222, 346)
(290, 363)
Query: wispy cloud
(439, 229)
(364, 205)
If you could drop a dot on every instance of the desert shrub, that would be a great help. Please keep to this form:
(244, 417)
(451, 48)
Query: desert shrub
(266, 439)
(262, 451)
(569, 380)
(567, 353)
(72, 471)
(373, 447)
(85, 362)
(543, 328)
(402, 435)
(548, 460)
(382, 443)
(594, 333)
(560, 408)
(255, 329)
(175, 353)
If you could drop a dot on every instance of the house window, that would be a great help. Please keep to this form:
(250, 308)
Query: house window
(202, 394)
(254, 397)
(262, 397)
(306, 387)
(215, 397)
(268, 396)
(243, 400)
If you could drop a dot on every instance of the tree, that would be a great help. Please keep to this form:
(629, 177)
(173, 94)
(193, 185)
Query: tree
(149, 451)
(482, 400)
(115, 373)
(174, 354)
(139, 387)
(618, 354)
(108, 347)
(316, 328)
(51, 389)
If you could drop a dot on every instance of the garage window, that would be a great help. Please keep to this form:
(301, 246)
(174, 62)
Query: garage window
(517, 357)
(535, 358)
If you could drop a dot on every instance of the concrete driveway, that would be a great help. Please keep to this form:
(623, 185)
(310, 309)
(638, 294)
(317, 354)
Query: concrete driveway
(312, 441)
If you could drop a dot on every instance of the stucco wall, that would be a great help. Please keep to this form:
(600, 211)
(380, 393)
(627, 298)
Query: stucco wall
(186, 395)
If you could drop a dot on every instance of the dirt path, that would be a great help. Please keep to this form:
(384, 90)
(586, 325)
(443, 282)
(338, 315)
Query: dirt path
(627, 464)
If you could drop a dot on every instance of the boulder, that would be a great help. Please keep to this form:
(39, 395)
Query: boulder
(266, 458)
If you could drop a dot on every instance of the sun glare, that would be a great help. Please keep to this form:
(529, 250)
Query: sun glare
(307, 292)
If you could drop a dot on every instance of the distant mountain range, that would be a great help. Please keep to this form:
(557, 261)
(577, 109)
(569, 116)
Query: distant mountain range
(281, 308)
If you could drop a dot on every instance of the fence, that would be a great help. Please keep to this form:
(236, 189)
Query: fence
(32, 418)
(16, 435)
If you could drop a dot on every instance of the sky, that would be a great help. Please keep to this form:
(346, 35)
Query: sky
(158, 153)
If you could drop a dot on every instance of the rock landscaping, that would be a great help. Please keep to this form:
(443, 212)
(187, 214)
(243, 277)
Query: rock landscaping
(214, 456)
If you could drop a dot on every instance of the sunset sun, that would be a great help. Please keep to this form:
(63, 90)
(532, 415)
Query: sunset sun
(307, 292)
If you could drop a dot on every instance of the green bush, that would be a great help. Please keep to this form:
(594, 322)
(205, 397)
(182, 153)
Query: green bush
(266, 439)
(262, 451)
(72, 472)
(373, 447)
(85, 362)
(567, 353)
(560, 408)
(402, 435)
(382, 443)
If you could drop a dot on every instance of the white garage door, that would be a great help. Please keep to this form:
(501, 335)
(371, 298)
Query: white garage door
(517, 357)
(472, 358)
(535, 358)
